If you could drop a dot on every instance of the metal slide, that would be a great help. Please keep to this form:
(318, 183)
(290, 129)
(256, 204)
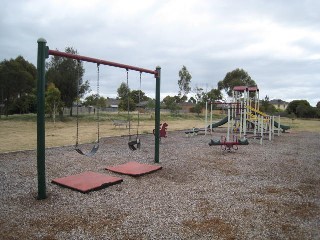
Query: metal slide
(221, 122)
(283, 127)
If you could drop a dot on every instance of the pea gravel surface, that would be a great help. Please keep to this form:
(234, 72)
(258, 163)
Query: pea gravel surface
(269, 191)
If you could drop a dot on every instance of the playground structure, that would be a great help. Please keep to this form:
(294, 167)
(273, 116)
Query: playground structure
(43, 53)
(244, 117)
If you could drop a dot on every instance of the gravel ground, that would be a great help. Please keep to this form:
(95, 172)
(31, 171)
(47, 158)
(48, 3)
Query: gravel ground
(269, 191)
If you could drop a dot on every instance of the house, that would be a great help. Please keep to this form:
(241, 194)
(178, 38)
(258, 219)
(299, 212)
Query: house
(220, 105)
(142, 104)
(142, 107)
(186, 107)
(279, 104)
(112, 104)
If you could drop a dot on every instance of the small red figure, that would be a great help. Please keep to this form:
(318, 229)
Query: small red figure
(162, 130)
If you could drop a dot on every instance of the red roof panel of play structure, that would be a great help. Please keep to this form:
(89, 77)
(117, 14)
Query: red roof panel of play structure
(87, 181)
(243, 88)
(134, 168)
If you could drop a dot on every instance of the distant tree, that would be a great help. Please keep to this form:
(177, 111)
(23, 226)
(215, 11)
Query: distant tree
(237, 77)
(198, 107)
(90, 100)
(123, 91)
(293, 107)
(168, 100)
(66, 74)
(213, 95)
(318, 105)
(17, 84)
(53, 101)
(266, 106)
(264, 103)
(184, 98)
(184, 81)
(124, 94)
(95, 100)
(198, 94)
(134, 94)
(123, 105)
(23, 104)
(151, 103)
(192, 100)
(302, 109)
(171, 103)
(203, 97)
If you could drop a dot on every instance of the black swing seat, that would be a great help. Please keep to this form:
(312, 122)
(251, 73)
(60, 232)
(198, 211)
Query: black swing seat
(88, 154)
(214, 142)
(134, 145)
(243, 141)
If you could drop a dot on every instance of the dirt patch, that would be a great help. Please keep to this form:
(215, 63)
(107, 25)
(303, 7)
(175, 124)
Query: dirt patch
(216, 226)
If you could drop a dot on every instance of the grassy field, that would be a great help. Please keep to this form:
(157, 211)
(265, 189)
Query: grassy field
(18, 132)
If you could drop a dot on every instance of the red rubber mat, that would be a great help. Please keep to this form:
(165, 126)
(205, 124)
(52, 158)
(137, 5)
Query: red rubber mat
(134, 168)
(87, 181)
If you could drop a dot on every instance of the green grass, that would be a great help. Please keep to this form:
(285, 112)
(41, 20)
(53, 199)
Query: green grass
(18, 132)
(308, 125)
(30, 117)
(295, 124)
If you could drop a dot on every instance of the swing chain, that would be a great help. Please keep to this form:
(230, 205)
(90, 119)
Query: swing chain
(139, 105)
(78, 92)
(135, 144)
(128, 104)
(98, 101)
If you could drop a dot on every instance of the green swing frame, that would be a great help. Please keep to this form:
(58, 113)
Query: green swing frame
(43, 53)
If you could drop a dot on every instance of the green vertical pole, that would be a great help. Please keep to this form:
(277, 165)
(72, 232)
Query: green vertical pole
(42, 54)
(157, 116)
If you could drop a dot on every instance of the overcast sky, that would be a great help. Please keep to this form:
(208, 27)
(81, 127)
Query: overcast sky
(276, 41)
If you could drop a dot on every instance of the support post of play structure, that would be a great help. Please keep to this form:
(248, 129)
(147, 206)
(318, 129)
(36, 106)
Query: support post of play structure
(279, 125)
(229, 118)
(211, 117)
(270, 128)
(244, 119)
(41, 169)
(261, 129)
(206, 120)
(272, 125)
(241, 123)
(157, 116)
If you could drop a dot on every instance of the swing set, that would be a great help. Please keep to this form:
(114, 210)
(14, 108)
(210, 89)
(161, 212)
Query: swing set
(43, 53)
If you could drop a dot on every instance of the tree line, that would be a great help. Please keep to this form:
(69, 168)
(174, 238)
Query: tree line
(200, 97)
(65, 85)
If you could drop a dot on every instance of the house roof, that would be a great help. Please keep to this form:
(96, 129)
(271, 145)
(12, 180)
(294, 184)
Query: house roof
(142, 104)
(186, 104)
(113, 101)
(277, 101)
